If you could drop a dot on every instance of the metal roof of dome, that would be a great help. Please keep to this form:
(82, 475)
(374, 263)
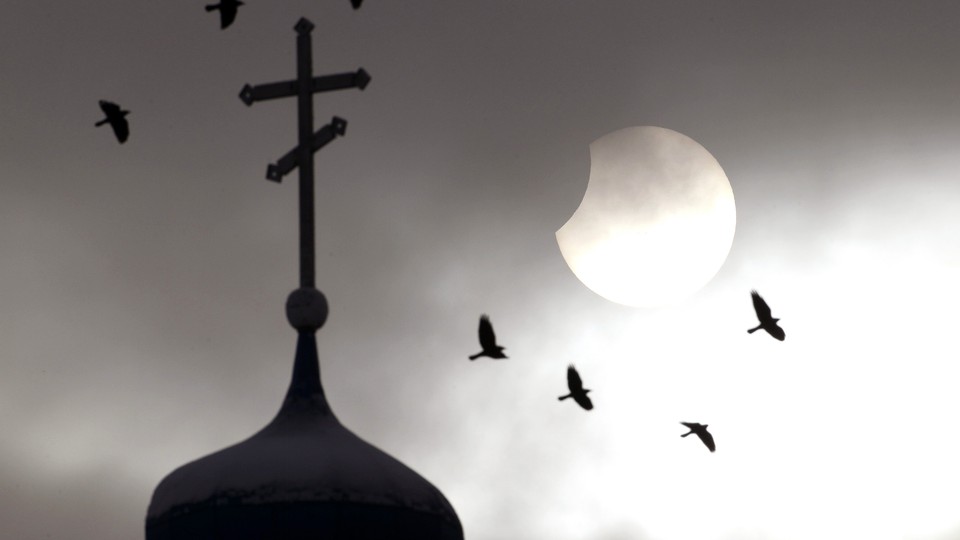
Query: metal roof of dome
(303, 476)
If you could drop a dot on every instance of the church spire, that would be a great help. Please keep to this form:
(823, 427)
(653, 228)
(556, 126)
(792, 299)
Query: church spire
(306, 307)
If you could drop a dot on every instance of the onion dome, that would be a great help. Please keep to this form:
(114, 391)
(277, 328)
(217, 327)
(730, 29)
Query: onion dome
(303, 476)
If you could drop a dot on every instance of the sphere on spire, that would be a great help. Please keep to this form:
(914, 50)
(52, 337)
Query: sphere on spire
(307, 309)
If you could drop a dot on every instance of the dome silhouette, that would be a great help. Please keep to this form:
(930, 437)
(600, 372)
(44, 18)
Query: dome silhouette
(303, 476)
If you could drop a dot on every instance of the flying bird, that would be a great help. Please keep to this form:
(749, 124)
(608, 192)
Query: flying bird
(488, 341)
(228, 11)
(115, 117)
(356, 3)
(767, 321)
(701, 431)
(577, 391)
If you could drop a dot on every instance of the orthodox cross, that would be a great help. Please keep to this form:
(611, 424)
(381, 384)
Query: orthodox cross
(308, 142)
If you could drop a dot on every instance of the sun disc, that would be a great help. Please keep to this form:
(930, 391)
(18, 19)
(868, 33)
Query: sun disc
(656, 222)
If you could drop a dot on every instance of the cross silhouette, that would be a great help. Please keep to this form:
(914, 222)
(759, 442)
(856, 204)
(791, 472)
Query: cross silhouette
(308, 142)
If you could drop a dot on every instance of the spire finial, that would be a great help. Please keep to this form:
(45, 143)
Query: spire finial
(303, 309)
(307, 309)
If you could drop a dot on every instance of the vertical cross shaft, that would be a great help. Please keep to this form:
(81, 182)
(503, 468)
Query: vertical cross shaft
(305, 159)
(308, 142)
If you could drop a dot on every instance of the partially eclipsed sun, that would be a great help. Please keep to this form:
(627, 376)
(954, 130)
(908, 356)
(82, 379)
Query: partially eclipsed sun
(657, 219)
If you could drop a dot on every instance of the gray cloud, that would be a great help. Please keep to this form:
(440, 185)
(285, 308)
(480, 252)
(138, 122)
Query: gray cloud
(142, 286)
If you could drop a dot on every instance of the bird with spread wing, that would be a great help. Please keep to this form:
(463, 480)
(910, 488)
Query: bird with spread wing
(116, 119)
(767, 321)
(577, 391)
(228, 11)
(488, 341)
(700, 430)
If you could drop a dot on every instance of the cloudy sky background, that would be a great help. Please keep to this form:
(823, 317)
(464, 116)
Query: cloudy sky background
(142, 285)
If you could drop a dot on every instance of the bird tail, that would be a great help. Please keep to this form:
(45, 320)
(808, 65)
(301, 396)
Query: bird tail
(211, 7)
(561, 398)
(475, 356)
(102, 122)
(752, 330)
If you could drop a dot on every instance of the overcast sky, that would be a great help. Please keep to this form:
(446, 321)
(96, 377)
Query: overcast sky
(142, 285)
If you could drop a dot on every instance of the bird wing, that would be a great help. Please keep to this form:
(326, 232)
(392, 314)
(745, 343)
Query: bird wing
(573, 381)
(761, 307)
(775, 331)
(488, 340)
(109, 108)
(228, 14)
(690, 426)
(583, 400)
(120, 128)
(707, 439)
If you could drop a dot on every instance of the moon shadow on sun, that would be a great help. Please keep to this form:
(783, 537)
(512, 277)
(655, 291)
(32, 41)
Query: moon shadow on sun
(656, 222)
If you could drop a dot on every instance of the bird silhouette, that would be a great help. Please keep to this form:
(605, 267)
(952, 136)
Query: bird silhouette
(356, 3)
(767, 321)
(228, 11)
(701, 431)
(488, 341)
(115, 117)
(577, 391)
